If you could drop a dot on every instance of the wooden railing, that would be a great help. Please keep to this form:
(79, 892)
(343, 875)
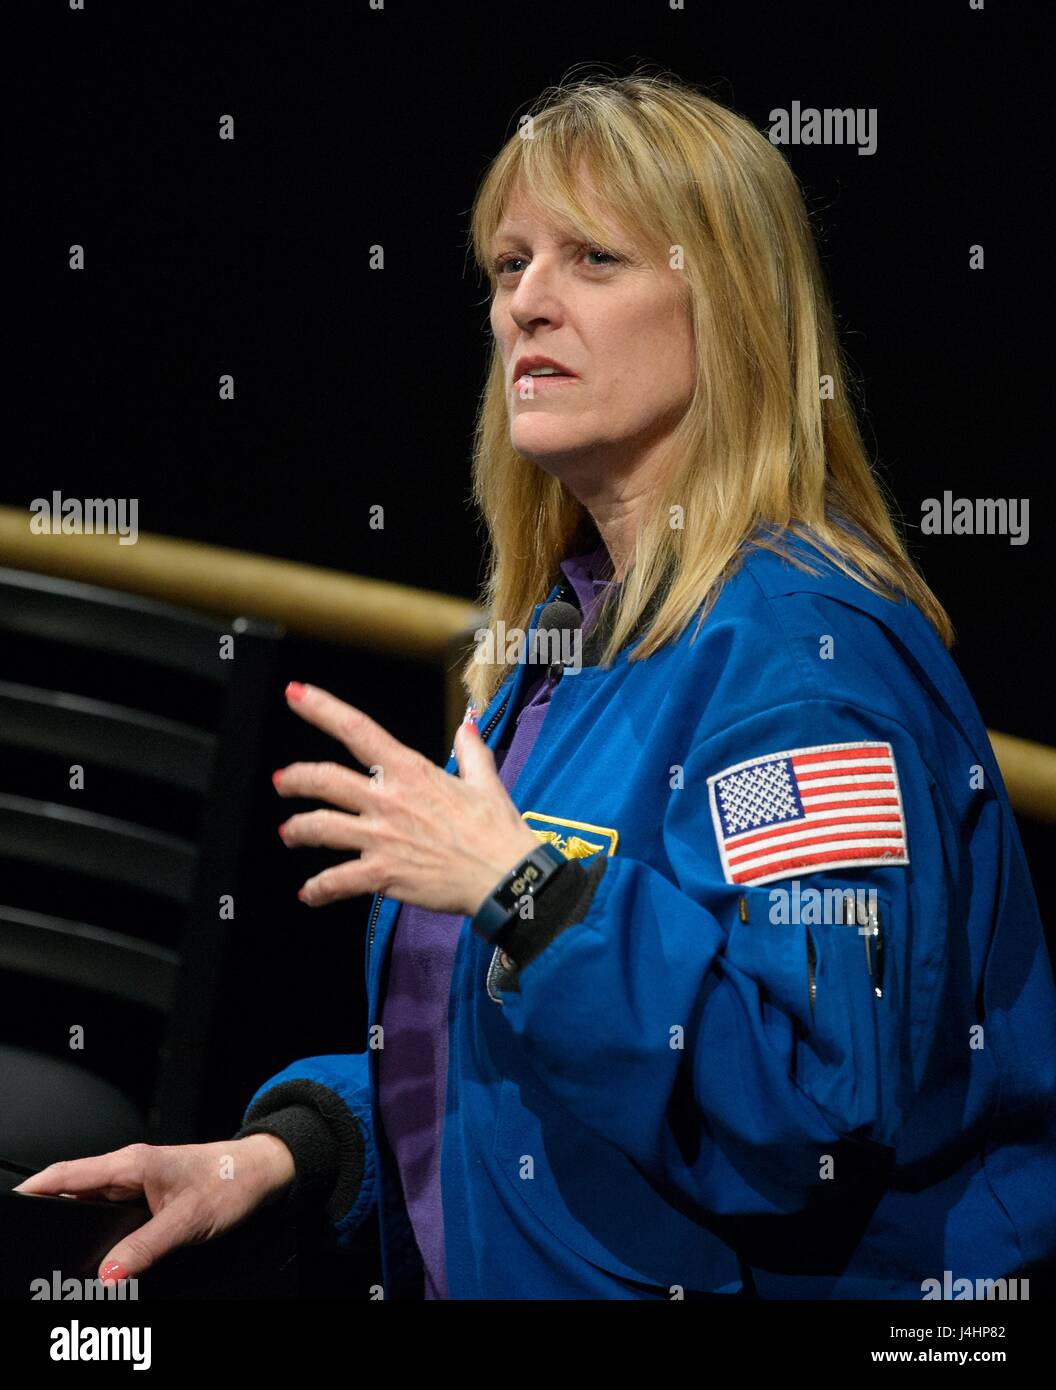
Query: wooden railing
(370, 613)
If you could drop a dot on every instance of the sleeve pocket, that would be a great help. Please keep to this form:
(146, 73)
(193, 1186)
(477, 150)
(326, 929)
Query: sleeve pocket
(843, 1058)
(826, 962)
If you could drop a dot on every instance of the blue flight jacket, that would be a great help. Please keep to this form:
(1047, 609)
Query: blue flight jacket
(695, 1088)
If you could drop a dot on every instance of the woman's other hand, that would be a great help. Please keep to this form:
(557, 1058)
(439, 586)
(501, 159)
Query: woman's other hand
(194, 1191)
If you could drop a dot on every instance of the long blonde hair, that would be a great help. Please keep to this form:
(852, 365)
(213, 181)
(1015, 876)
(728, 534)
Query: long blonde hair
(769, 438)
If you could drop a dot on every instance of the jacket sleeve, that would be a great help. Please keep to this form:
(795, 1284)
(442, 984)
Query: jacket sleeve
(735, 1057)
(320, 1107)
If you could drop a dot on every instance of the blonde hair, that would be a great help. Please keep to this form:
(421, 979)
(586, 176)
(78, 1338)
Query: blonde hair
(758, 445)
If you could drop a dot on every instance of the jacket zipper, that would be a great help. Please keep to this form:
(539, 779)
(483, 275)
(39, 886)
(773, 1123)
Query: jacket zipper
(377, 906)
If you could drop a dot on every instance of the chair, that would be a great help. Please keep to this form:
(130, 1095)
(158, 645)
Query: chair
(50, 1107)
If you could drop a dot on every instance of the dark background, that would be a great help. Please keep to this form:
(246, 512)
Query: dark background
(355, 388)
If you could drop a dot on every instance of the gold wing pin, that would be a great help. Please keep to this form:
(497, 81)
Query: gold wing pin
(575, 847)
(578, 848)
(548, 837)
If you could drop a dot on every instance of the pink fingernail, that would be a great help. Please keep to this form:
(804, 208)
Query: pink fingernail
(296, 691)
(282, 831)
(114, 1270)
(276, 778)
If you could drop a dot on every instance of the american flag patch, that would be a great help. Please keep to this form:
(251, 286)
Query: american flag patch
(835, 806)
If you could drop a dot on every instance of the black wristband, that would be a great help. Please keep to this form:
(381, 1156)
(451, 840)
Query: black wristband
(529, 877)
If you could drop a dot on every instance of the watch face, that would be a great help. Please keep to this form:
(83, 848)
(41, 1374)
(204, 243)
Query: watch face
(527, 880)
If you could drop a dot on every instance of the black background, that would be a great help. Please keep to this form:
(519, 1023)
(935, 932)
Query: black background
(355, 388)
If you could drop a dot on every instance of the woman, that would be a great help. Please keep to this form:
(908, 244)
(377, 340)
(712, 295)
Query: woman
(716, 969)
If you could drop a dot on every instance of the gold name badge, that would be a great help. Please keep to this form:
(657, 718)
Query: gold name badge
(575, 839)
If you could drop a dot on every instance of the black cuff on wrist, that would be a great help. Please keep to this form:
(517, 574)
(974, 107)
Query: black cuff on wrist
(323, 1135)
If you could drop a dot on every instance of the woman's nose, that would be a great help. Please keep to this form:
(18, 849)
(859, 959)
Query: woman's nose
(535, 297)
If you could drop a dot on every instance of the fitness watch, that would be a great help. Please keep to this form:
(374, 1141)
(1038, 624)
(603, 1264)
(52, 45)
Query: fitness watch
(502, 905)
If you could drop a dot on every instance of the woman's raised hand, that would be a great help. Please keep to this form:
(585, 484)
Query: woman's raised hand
(425, 837)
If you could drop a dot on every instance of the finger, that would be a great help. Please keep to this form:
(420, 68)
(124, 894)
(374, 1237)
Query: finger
(328, 782)
(332, 829)
(476, 761)
(120, 1172)
(349, 880)
(364, 738)
(146, 1245)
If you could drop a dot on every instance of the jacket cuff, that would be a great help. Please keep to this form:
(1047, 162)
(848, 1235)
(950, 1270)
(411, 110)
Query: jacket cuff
(564, 902)
(323, 1135)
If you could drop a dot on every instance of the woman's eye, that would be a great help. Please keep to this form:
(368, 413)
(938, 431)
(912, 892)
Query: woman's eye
(503, 264)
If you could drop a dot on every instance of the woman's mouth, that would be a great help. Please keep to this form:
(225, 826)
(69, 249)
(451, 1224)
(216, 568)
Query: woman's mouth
(528, 383)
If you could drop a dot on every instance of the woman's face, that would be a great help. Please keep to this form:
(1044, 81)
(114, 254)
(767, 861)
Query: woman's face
(612, 320)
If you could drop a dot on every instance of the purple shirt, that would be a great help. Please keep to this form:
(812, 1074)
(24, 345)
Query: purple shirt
(412, 1065)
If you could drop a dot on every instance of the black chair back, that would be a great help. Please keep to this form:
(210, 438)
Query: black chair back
(181, 719)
